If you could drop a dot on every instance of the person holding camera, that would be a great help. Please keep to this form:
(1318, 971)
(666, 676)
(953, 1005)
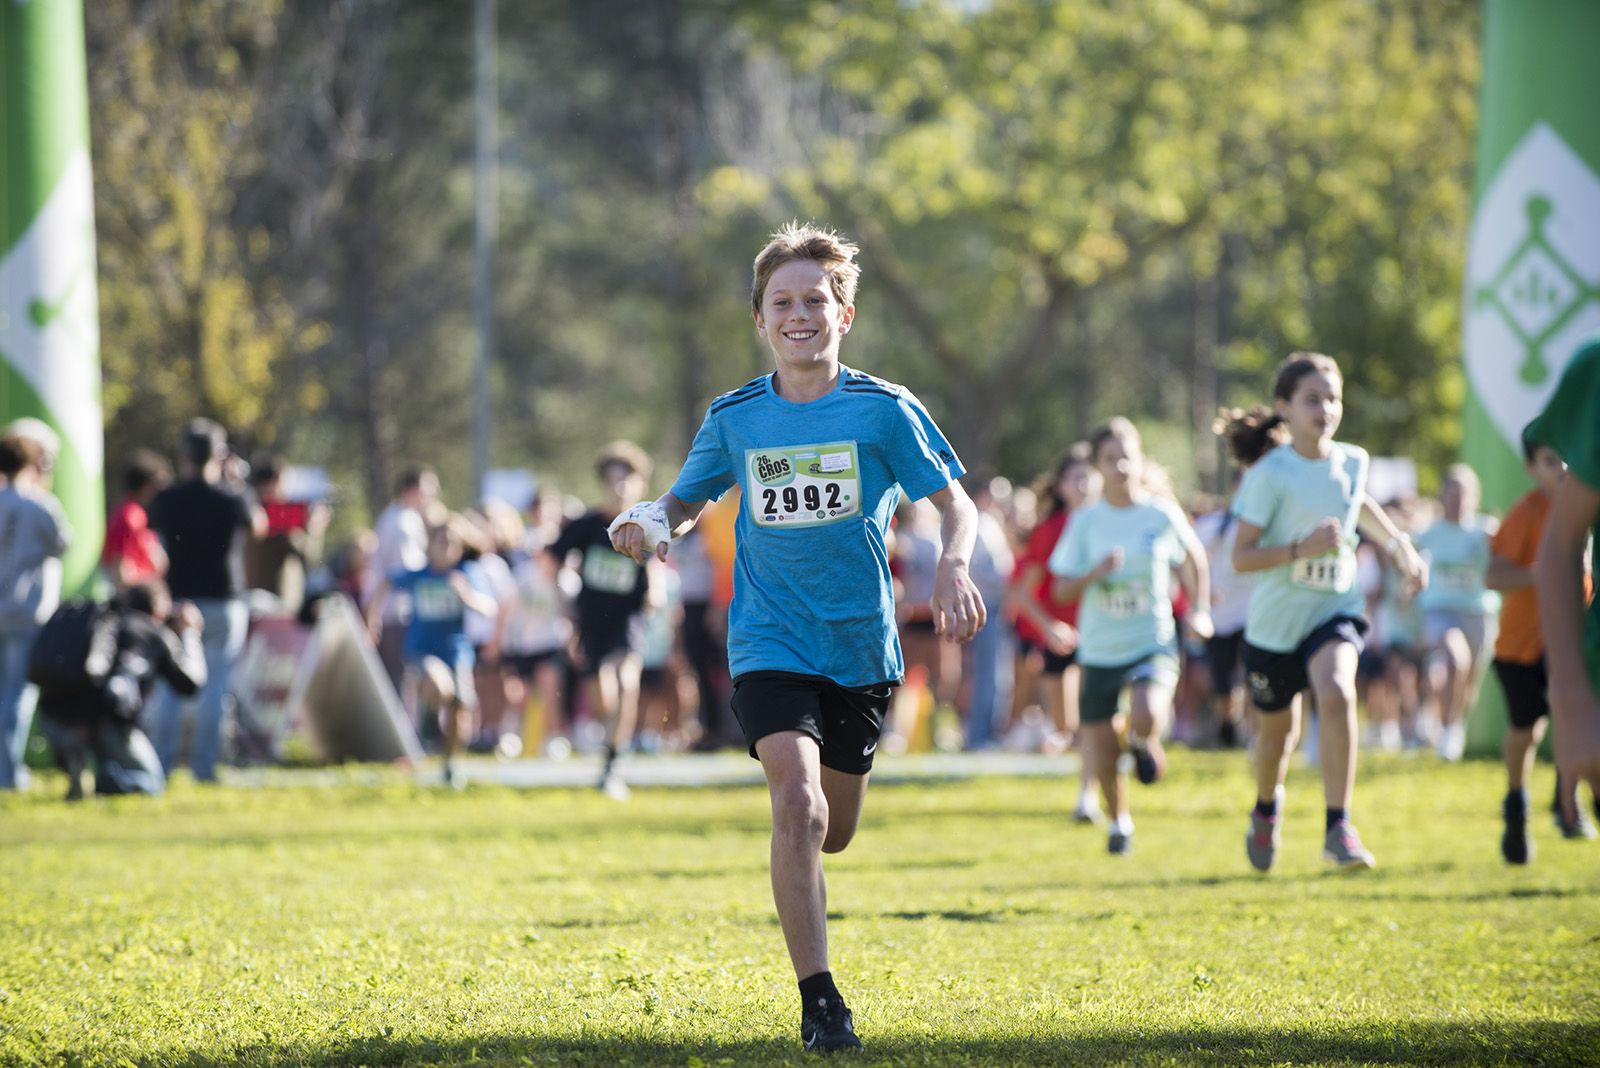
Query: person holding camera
(132, 642)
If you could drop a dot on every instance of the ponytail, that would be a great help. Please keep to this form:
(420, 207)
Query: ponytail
(1249, 434)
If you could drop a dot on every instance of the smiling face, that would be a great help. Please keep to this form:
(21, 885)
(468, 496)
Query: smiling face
(1313, 411)
(800, 318)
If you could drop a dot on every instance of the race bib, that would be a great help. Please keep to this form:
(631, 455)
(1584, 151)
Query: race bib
(608, 571)
(1125, 600)
(1329, 574)
(434, 601)
(803, 485)
(1456, 578)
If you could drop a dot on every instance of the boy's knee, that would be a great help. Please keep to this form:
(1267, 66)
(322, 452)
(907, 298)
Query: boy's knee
(801, 811)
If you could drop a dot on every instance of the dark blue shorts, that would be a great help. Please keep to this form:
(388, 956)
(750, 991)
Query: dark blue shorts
(1276, 679)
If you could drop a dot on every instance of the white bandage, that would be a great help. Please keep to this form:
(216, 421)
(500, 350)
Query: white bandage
(650, 517)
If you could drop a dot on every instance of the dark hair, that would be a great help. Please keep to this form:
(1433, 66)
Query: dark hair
(265, 468)
(1296, 367)
(17, 452)
(410, 479)
(1250, 434)
(1048, 488)
(146, 597)
(203, 441)
(143, 469)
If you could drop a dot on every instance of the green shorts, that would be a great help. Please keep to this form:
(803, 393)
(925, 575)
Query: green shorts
(1103, 686)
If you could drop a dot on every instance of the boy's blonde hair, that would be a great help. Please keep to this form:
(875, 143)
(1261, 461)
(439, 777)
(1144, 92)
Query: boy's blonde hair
(806, 242)
(623, 454)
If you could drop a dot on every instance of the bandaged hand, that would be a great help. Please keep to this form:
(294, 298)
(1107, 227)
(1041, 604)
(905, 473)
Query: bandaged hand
(652, 533)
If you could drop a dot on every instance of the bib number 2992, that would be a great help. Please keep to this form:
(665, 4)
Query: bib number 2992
(803, 485)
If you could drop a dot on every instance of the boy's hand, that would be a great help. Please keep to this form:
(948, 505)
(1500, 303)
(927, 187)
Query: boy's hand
(1200, 624)
(641, 530)
(958, 611)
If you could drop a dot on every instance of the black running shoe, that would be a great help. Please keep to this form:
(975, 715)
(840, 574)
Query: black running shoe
(1514, 844)
(1149, 760)
(827, 1027)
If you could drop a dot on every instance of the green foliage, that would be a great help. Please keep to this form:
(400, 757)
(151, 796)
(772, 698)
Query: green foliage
(971, 924)
(1068, 211)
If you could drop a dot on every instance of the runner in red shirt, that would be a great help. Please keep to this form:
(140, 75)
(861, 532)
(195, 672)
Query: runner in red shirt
(1046, 629)
(132, 552)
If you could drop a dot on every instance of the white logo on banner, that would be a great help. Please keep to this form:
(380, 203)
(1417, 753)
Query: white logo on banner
(49, 314)
(1533, 278)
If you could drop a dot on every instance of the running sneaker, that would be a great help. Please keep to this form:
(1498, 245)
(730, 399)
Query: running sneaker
(1515, 845)
(612, 786)
(1149, 759)
(1343, 847)
(1578, 827)
(828, 1027)
(1119, 843)
(1261, 844)
(1088, 808)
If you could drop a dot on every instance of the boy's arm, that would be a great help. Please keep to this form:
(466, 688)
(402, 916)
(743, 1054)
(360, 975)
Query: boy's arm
(958, 610)
(630, 538)
(1558, 575)
(375, 606)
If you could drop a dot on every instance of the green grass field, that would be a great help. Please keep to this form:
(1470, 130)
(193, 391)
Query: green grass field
(972, 924)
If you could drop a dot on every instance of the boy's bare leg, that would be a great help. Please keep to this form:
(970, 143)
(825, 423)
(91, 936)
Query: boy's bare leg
(793, 768)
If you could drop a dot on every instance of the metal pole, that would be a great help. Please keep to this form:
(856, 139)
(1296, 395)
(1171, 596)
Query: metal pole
(485, 165)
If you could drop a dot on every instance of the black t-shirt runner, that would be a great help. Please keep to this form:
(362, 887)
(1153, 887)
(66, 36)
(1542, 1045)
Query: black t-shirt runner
(203, 527)
(613, 585)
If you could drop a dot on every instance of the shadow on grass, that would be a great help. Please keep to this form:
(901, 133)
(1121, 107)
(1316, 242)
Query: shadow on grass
(1399, 1043)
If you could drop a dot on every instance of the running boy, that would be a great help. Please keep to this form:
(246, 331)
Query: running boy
(1570, 424)
(1299, 506)
(611, 596)
(1519, 652)
(1118, 555)
(436, 645)
(822, 454)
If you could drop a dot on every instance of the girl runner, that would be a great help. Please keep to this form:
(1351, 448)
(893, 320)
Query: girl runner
(1047, 636)
(1299, 506)
(1458, 610)
(1119, 554)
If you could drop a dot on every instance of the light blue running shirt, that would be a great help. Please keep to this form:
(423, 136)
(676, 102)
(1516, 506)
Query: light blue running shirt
(1127, 615)
(811, 586)
(1458, 562)
(1287, 496)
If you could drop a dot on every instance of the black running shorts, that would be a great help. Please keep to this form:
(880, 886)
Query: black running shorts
(1276, 679)
(845, 720)
(1527, 692)
(1054, 663)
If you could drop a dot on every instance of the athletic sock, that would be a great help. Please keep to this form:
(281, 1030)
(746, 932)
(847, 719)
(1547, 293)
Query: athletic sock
(819, 987)
(1516, 802)
(1335, 816)
(610, 759)
(1122, 825)
(1268, 809)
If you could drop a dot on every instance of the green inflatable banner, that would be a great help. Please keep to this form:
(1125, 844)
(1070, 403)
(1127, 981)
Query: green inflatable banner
(49, 314)
(1532, 283)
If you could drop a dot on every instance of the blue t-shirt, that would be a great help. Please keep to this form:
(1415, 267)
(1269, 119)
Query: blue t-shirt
(1127, 615)
(438, 616)
(811, 587)
(1287, 496)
